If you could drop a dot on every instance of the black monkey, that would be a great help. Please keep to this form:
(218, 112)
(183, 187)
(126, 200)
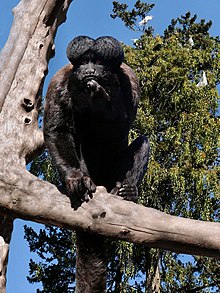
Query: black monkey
(90, 106)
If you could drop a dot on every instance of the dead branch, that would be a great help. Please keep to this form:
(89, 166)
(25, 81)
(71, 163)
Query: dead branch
(29, 198)
(23, 66)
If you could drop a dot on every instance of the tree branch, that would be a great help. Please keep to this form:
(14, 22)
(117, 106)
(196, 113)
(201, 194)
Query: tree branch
(29, 198)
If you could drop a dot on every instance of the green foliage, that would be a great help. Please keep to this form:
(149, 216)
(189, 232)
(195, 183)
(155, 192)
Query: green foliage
(131, 18)
(182, 122)
(42, 167)
(182, 274)
(183, 125)
(56, 248)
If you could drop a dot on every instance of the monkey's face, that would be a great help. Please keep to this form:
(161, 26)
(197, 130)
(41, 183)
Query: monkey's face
(96, 70)
(90, 71)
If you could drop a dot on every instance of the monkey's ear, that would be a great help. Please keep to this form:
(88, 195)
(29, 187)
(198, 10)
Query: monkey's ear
(77, 47)
(109, 50)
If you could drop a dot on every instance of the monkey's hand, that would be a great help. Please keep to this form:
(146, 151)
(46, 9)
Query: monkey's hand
(95, 87)
(127, 191)
(79, 186)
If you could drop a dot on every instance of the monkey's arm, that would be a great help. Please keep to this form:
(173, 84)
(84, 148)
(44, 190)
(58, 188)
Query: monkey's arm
(131, 91)
(134, 158)
(60, 139)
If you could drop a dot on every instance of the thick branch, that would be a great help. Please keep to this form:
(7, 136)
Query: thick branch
(30, 45)
(30, 198)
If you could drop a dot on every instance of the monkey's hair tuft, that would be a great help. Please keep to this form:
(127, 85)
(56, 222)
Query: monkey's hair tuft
(77, 47)
(106, 48)
(109, 50)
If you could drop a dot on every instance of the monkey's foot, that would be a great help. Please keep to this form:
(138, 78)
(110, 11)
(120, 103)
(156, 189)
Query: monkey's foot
(127, 191)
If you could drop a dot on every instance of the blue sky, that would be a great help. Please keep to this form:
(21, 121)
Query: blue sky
(92, 18)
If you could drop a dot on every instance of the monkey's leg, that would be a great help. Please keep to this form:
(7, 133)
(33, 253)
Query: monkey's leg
(132, 167)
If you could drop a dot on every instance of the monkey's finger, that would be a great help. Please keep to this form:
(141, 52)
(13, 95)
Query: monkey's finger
(72, 185)
(86, 196)
(128, 192)
(89, 185)
(116, 189)
(126, 188)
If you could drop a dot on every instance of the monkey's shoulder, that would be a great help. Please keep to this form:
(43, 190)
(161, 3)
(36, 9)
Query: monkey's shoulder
(130, 81)
(58, 86)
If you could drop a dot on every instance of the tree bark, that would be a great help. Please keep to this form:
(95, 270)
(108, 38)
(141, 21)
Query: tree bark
(6, 228)
(23, 66)
(30, 198)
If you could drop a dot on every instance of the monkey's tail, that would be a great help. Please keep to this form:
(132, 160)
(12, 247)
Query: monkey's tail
(90, 263)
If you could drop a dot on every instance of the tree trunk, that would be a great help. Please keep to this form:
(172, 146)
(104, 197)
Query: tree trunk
(156, 280)
(152, 259)
(6, 228)
(23, 66)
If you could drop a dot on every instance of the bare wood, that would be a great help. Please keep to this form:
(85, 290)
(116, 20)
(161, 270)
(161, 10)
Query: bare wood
(30, 198)
(23, 66)
(30, 45)
(6, 228)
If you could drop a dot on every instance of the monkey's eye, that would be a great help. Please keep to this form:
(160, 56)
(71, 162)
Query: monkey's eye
(84, 62)
(99, 62)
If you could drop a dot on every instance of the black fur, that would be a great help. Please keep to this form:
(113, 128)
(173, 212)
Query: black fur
(90, 107)
(107, 49)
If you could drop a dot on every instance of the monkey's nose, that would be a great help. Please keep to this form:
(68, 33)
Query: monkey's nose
(90, 71)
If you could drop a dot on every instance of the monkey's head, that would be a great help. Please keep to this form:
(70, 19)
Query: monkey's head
(95, 61)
